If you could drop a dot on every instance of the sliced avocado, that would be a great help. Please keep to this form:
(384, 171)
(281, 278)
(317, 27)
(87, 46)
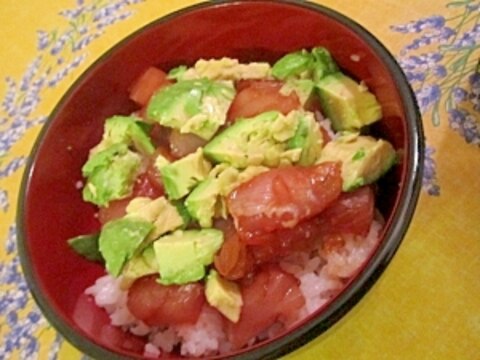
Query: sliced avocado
(230, 178)
(180, 176)
(164, 216)
(308, 137)
(201, 203)
(86, 246)
(303, 88)
(110, 174)
(160, 162)
(261, 140)
(120, 239)
(192, 106)
(303, 64)
(183, 255)
(348, 104)
(323, 63)
(364, 158)
(292, 64)
(224, 295)
(207, 200)
(127, 130)
(142, 264)
(222, 69)
(177, 73)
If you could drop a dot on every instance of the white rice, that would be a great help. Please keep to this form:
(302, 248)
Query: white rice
(321, 276)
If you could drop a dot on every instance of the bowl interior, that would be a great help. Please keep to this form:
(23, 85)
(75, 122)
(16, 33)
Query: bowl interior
(52, 209)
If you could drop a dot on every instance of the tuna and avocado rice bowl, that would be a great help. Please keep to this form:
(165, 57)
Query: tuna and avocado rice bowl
(236, 201)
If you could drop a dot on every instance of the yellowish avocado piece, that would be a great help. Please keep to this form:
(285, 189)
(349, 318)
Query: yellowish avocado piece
(207, 200)
(201, 202)
(348, 104)
(181, 176)
(140, 265)
(224, 295)
(160, 212)
(230, 177)
(226, 69)
(260, 140)
(160, 162)
(364, 158)
(303, 88)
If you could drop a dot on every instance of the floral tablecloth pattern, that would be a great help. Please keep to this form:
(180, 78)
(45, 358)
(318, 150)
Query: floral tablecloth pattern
(427, 303)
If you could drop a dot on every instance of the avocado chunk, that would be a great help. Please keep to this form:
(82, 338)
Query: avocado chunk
(293, 64)
(303, 64)
(308, 137)
(192, 106)
(323, 63)
(110, 174)
(201, 203)
(260, 140)
(348, 104)
(364, 158)
(207, 200)
(229, 177)
(221, 69)
(180, 176)
(127, 130)
(303, 88)
(160, 162)
(141, 264)
(86, 246)
(164, 216)
(224, 295)
(183, 255)
(119, 241)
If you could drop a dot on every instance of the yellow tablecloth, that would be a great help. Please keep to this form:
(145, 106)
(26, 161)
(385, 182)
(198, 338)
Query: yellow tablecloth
(427, 303)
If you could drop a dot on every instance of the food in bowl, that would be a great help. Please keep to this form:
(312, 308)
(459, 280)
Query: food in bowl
(238, 199)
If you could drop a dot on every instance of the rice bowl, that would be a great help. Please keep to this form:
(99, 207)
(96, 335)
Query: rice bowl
(329, 295)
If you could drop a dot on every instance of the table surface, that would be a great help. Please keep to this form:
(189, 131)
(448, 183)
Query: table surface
(427, 303)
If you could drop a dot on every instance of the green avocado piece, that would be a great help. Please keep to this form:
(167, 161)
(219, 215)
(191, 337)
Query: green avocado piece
(127, 130)
(292, 64)
(192, 106)
(180, 176)
(183, 212)
(183, 255)
(86, 246)
(120, 239)
(323, 63)
(308, 137)
(348, 104)
(201, 202)
(142, 264)
(110, 174)
(224, 295)
(164, 215)
(305, 65)
(260, 140)
(177, 73)
(364, 158)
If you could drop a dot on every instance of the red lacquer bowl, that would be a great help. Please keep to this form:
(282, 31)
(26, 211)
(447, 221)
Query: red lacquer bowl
(51, 209)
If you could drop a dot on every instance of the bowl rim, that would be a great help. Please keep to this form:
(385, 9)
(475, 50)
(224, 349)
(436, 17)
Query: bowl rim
(353, 292)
